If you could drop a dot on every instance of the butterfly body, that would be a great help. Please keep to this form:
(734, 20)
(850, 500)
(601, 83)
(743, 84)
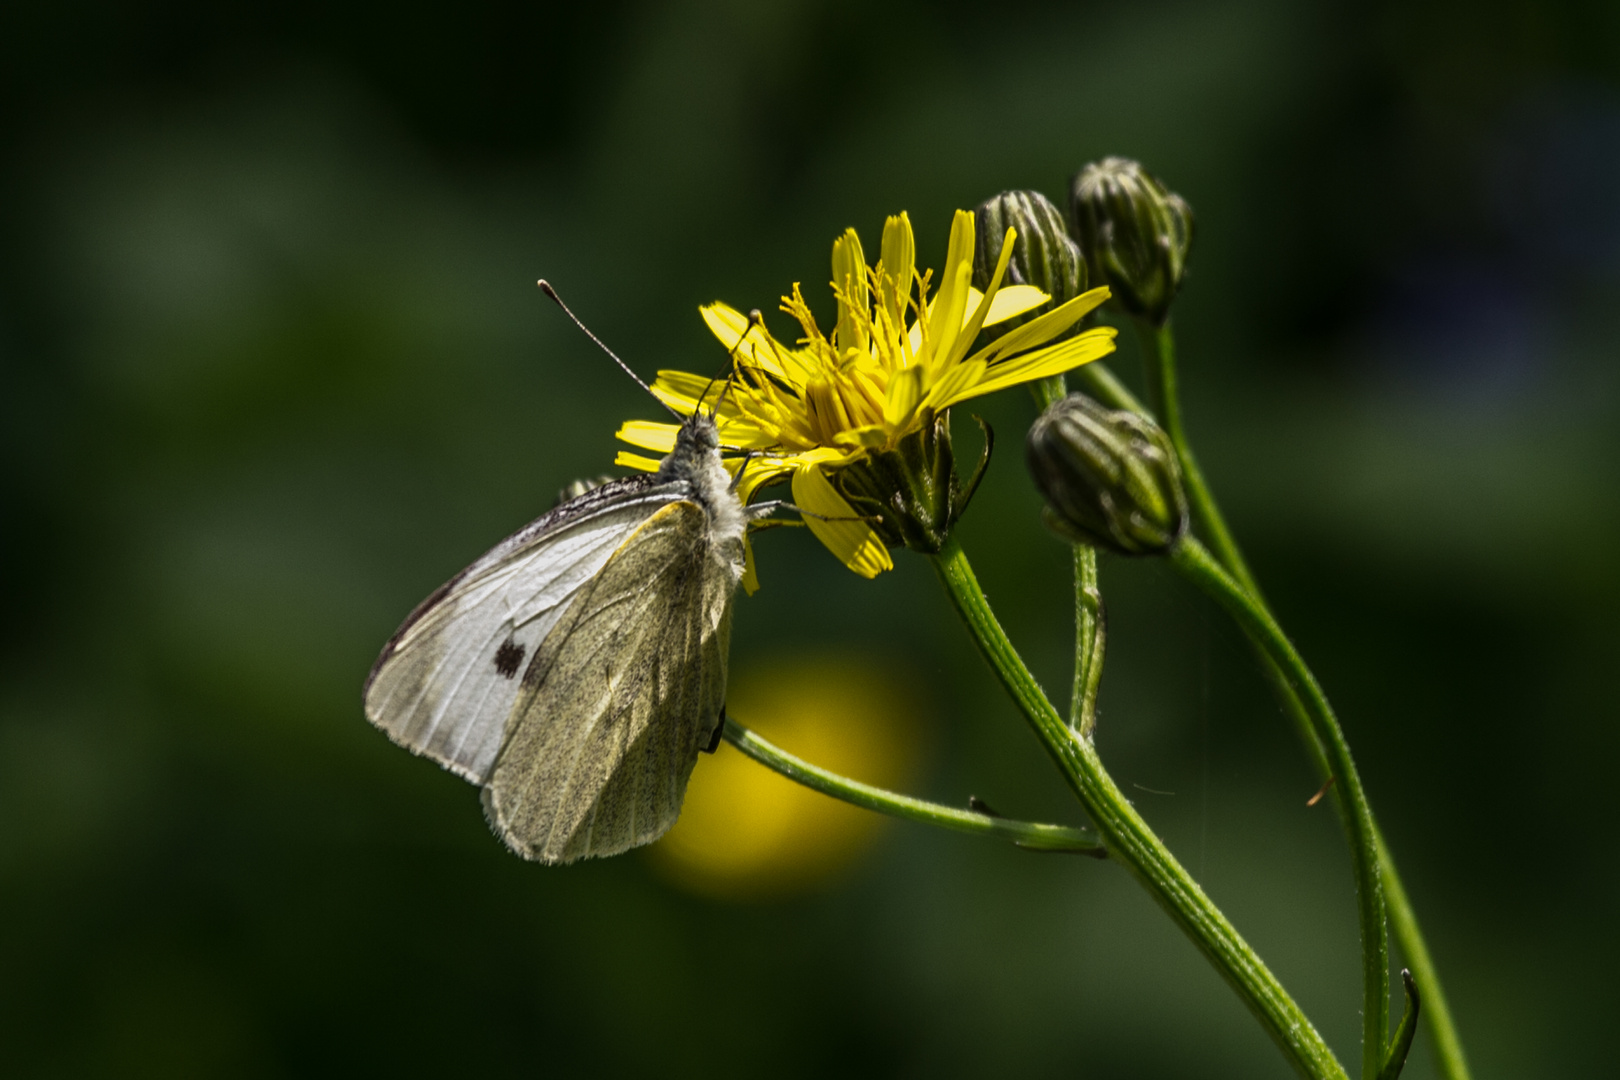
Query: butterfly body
(576, 669)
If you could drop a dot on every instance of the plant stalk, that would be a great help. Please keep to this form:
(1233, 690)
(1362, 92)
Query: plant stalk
(1026, 834)
(1195, 561)
(1090, 639)
(1159, 348)
(1129, 839)
(1159, 358)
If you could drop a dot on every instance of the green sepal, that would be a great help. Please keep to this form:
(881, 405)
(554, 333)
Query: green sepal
(1401, 1043)
(964, 496)
(910, 493)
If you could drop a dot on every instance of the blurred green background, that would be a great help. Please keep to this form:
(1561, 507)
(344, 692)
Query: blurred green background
(274, 366)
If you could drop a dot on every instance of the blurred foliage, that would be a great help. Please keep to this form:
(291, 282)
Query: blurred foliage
(272, 366)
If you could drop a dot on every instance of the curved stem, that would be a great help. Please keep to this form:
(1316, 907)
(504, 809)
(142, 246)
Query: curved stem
(1437, 1013)
(1159, 348)
(1129, 839)
(1161, 366)
(1026, 834)
(1194, 560)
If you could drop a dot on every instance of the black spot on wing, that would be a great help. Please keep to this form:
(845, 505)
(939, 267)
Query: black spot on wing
(595, 501)
(508, 657)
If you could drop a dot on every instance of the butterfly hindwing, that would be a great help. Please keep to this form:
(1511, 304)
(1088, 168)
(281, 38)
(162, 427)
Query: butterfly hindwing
(619, 698)
(446, 683)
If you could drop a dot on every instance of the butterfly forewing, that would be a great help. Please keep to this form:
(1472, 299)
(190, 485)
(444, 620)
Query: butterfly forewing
(619, 698)
(445, 684)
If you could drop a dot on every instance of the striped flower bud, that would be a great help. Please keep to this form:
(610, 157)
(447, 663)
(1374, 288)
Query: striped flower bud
(1044, 255)
(1110, 478)
(1134, 232)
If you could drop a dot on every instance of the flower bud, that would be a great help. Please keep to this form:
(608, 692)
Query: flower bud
(1044, 255)
(1110, 478)
(1134, 232)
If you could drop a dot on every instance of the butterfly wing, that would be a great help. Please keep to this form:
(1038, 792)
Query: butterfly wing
(620, 697)
(447, 680)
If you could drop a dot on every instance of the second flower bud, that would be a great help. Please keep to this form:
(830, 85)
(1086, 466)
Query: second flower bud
(1110, 478)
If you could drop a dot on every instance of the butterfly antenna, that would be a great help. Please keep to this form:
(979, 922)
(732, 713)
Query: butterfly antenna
(754, 319)
(545, 287)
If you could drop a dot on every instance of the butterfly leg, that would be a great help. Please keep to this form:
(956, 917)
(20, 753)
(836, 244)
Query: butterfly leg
(759, 510)
(719, 730)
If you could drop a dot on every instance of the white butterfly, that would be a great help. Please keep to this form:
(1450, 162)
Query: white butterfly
(577, 669)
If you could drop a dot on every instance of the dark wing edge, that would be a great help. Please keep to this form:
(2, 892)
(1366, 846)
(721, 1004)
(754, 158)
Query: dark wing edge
(594, 502)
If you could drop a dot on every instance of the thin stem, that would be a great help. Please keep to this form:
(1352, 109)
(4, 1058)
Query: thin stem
(1159, 351)
(1194, 560)
(1403, 920)
(1105, 386)
(1026, 834)
(1129, 839)
(1437, 1013)
(1090, 639)
(1088, 612)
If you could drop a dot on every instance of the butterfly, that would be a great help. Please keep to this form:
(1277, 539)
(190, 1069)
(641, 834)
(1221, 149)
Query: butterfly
(577, 669)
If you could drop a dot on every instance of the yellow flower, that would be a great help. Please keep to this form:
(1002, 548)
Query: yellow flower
(894, 360)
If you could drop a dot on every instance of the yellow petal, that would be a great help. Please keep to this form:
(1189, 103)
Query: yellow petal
(636, 461)
(758, 349)
(828, 457)
(682, 390)
(946, 315)
(725, 322)
(899, 261)
(757, 473)
(1040, 330)
(1054, 360)
(904, 395)
(648, 434)
(975, 322)
(957, 384)
(745, 435)
(852, 541)
(849, 279)
(1012, 301)
(866, 437)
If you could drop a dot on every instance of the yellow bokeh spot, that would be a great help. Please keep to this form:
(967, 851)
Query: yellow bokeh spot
(747, 833)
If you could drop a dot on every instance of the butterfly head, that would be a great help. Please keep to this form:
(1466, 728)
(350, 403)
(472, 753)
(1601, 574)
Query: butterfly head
(699, 432)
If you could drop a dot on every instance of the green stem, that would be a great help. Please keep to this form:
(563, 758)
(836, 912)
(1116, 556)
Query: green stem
(1160, 360)
(1194, 560)
(1437, 1013)
(1129, 839)
(1088, 612)
(1090, 638)
(1025, 834)
(1159, 347)
(1105, 386)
